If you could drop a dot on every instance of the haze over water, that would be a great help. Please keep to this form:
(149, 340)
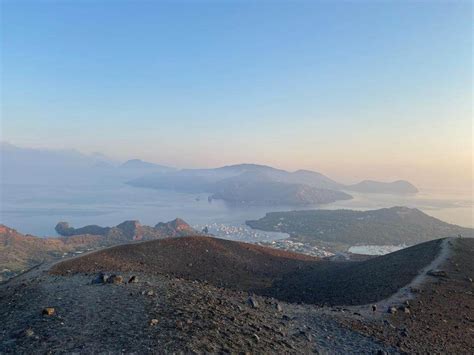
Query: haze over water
(36, 209)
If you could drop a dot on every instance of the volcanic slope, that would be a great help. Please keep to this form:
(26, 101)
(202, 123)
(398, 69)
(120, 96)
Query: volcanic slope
(221, 262)
(270, 272)
(167, 310)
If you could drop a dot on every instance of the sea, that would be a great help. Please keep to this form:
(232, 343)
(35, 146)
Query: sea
(36, 209)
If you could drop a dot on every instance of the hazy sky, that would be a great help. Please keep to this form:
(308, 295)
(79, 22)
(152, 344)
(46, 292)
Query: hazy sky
(355, 90)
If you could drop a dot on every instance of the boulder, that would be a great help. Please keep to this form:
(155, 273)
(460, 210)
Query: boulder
(253, 302)
(115, 279)
(101, 278)
(48, 311)
(392, 310)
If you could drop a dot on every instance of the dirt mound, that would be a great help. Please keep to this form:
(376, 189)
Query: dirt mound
(355, 283)
(221, 262)
(284, 275)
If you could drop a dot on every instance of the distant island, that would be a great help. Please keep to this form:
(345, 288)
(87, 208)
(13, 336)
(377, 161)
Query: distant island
(265, 185)
(236, 184)
(386, 226)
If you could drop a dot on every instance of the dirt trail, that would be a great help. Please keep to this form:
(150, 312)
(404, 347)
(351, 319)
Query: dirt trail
(406, 293)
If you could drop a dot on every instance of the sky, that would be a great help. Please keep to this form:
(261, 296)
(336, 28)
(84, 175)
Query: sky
(355, 90)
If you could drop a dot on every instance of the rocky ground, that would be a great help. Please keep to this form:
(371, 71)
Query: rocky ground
(160, 314)
(44, 312)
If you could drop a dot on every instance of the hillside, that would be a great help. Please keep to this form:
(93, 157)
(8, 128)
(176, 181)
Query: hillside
(130, 230)
(190, 294)
(222, 262)
(386, 226)
(271, 272)
(19, 252)
(355, 283)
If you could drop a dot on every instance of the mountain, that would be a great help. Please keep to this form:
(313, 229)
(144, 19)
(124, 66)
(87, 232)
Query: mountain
(130, 230)
(67, 167)
(250, 184)
(261, 184)
(143, 167)
(261, 189)
(386, 226)
(396, 187)
(18, 252)
(70, 167)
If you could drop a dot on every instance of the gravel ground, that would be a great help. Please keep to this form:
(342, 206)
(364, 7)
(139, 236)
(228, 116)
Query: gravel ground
(190, 317)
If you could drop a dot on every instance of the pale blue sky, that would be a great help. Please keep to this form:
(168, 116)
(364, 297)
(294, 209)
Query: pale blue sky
(354, 89)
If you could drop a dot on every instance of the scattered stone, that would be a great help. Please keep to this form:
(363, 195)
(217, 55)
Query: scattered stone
(115, 279)
(438, 273)
(29, 332)
(392, 310)
(256, 337)
(278, 307)
(154, 322)
(405, 309)
(101, 279)
(48, 311)
(469, 279)
(374, 307)
(150, 293)
(133, 279)
(252, 302)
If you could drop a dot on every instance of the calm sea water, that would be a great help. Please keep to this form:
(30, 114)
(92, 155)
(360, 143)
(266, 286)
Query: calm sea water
(36, 209)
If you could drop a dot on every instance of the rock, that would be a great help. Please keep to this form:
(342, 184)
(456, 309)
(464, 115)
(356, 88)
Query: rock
(374, 307)
(405, 309)
(100, 279)
(133, 279)
(438, 273)
(153, 322)
(392, 310)
(48, 311)
(253, 302)
(29, 332)
(303, 334)
(115, 279)
(278, 307)
(150, 293)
